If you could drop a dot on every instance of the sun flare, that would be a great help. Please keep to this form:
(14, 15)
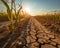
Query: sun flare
(27, 10)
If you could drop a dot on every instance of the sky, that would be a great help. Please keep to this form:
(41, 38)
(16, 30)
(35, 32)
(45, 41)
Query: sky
(38, 6)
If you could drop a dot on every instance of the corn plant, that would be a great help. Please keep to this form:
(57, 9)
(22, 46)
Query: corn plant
(9, 11)
(16, 13)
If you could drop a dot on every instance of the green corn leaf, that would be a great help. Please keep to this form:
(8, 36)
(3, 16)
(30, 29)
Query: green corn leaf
(8, 8)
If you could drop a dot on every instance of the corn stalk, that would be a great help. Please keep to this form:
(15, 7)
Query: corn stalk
(9, 11)
(10, 17)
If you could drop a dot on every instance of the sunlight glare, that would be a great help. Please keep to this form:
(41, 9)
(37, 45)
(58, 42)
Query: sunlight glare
(27, 10)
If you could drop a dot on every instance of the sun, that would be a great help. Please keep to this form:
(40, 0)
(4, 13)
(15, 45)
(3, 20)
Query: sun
(27, 10)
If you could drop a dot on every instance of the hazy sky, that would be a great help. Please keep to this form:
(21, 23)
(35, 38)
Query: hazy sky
(39, 6)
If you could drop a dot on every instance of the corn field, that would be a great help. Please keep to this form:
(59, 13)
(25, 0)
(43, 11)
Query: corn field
(52, 22)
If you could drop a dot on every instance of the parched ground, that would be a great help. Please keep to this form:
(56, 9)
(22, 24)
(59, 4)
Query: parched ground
(32, 34)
